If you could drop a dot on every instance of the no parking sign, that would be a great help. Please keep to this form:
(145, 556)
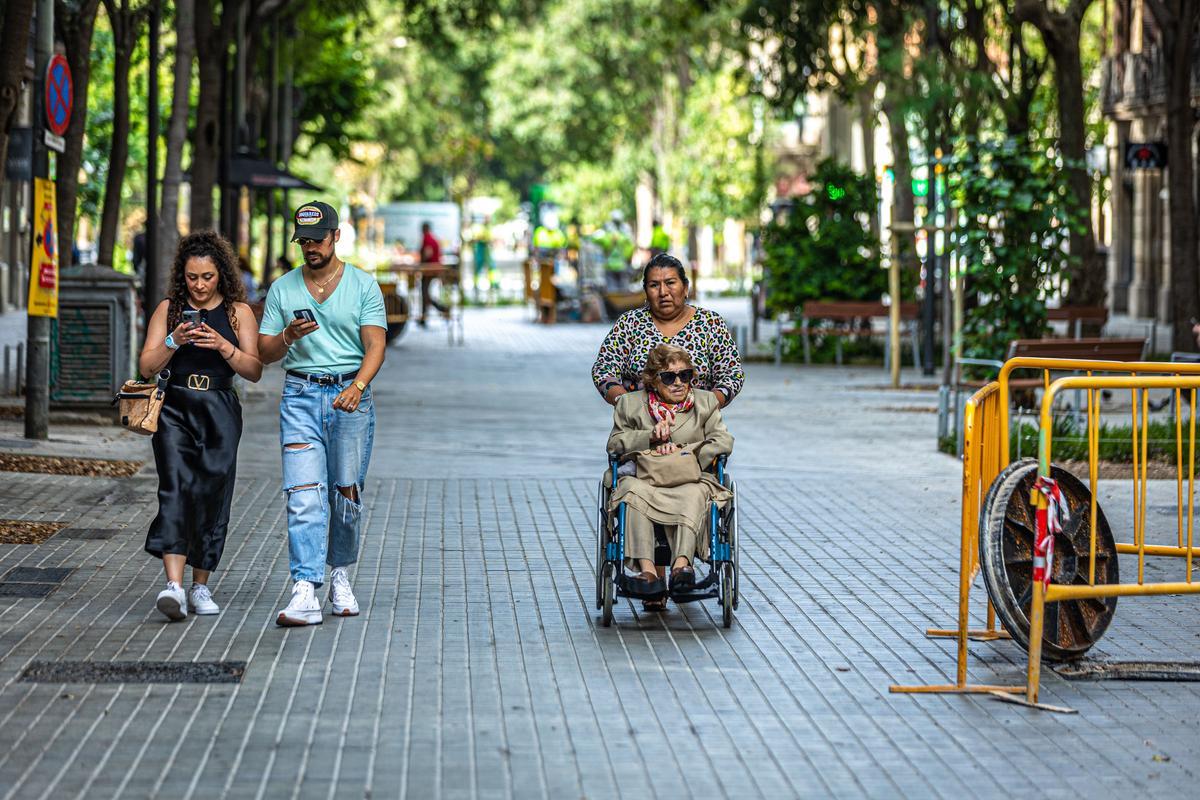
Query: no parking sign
(60, 95)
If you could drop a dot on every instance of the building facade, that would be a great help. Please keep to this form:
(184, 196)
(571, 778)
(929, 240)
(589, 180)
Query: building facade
(1134, 83)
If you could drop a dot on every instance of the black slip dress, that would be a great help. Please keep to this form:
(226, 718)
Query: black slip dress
(195, 450)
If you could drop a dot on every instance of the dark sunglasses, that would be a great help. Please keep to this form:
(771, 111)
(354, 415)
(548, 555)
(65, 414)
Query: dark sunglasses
(684, 375)
(304, 241)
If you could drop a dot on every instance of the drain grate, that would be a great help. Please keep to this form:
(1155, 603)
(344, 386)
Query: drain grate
(91, 533)
(1186, 671)
(32, 581)
(27, 589)
(37, 575)
(134, 672)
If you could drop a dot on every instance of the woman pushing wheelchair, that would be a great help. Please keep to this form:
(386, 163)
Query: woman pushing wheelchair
(665, 437)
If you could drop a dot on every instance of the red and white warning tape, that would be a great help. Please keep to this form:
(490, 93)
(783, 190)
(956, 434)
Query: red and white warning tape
(1049, 522)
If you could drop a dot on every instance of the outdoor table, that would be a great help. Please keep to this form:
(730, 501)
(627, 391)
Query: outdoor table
(451, 294)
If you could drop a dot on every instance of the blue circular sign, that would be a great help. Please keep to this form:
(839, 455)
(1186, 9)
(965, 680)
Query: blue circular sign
(60, 95)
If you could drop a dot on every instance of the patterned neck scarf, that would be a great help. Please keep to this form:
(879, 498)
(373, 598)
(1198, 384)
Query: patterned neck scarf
(661, 411)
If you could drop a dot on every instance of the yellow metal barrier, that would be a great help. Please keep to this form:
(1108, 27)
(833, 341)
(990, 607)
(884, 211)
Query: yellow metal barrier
(1139, 386)
(986, 455)
(982, 462)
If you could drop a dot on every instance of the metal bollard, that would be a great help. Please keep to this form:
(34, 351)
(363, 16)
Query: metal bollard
(7, 369)
(20, 387)
(943, 423)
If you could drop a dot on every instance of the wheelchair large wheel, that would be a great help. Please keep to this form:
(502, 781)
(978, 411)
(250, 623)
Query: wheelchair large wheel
(728, 582)
(606, 612)
(734, 544)
(1006, 536)
(601, 536)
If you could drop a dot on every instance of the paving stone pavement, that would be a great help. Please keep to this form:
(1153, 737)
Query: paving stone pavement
(478, 667)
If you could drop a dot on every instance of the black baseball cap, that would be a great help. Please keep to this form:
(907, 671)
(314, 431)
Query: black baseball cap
(314, 220)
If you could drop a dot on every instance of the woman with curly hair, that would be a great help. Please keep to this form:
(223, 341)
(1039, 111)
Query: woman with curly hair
(203, 333)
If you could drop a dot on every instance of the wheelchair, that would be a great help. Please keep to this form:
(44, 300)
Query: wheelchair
(721, 582)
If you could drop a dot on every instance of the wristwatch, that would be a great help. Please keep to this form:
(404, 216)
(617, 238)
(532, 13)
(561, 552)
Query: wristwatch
(170, 342)
(362, 387)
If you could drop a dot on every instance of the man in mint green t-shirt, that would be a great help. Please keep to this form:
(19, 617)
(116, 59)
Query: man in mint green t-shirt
(327, 322)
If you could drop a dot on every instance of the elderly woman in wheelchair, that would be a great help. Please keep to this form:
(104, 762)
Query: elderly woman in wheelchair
(664, 440)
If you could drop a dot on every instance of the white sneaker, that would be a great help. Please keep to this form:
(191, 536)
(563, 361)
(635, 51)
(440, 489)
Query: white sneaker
(341, 595)
(304, 608)
(172, 602)
(201, 601)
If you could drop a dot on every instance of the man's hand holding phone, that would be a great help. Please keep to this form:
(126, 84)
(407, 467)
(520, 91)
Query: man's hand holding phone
(305, 322)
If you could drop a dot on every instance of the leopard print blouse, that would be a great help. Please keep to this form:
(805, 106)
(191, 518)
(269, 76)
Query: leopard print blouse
(705, 337)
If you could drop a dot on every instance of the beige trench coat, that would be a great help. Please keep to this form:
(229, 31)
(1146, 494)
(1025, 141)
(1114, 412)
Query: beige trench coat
(701, 427)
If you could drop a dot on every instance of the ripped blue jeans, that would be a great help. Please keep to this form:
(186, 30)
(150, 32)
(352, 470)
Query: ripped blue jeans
(324, 450)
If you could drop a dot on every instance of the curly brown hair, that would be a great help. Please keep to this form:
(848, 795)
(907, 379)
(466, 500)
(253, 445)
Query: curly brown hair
(658, 360)
(212, 245)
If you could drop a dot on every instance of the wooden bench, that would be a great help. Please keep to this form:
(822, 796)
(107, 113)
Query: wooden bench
(1101, 349)
(1094, 349)
(1075, 316)
(844, 314)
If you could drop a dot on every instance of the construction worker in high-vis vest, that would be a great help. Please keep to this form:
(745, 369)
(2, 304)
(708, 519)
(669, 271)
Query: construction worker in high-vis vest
(660, 240)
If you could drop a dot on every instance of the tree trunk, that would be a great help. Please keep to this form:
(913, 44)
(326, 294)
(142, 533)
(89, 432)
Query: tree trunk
(125, 27)
(1088, 272)
(74, 26)
(865, 98)
(206, 138)
(1061, 32)
(212, 55)
(168, 221)
(14, 42)
(1178, 52)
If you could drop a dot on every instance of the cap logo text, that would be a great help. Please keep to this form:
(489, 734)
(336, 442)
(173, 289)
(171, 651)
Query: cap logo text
(309, 215)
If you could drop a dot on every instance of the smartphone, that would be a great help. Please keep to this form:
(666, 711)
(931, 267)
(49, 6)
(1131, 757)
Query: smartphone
(191, 316)
(305, 314)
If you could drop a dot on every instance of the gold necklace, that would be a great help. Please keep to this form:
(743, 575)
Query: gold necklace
(321, 286)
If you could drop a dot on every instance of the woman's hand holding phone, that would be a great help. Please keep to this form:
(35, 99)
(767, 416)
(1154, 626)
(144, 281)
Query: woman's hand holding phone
(184, 333)
(206, 338)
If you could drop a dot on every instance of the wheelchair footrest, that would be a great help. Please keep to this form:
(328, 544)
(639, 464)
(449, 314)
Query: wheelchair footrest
(691, 596)
(698, 590)
(638, 589)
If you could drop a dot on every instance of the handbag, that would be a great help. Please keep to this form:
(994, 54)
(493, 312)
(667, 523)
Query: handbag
(140, 403)
(671, 469)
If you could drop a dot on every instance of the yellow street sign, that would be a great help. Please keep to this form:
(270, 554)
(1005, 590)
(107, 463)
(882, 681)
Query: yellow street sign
(43, 275)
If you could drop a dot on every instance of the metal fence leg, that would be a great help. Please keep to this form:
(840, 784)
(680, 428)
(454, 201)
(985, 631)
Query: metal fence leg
(916, 345)
(887, 349)
(958, 422)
